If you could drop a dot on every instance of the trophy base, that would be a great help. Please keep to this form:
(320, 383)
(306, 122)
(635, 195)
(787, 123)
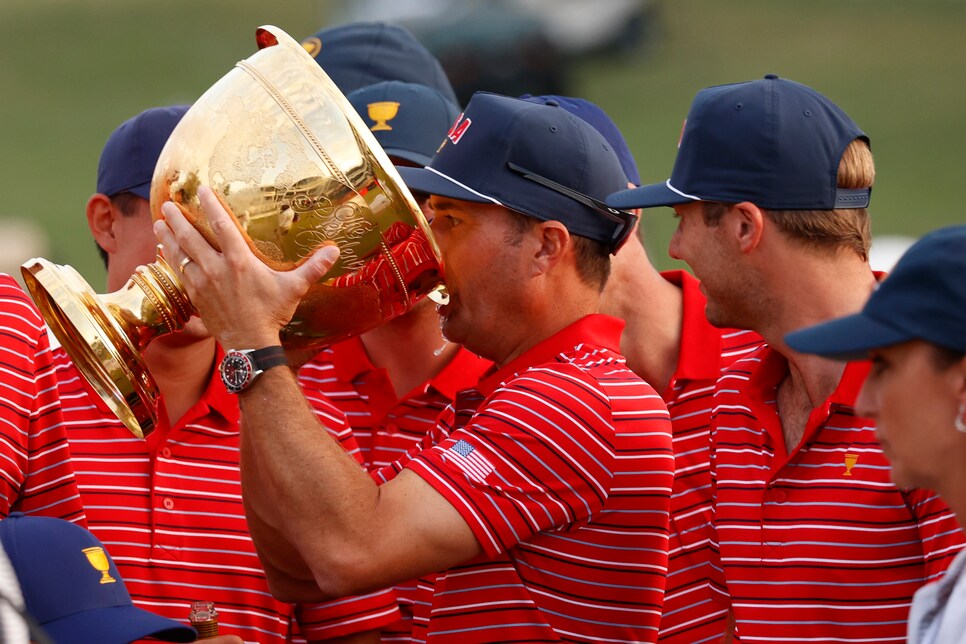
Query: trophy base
(95, 341)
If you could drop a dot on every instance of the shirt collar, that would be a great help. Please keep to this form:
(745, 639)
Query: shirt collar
(595, 330)
(462, 372)
(699, 339)
(351, 361)
(773, 367)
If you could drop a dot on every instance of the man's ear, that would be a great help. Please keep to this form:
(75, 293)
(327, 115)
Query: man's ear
(959, 381)
(553, 239)
(748, 223)
(101, 215)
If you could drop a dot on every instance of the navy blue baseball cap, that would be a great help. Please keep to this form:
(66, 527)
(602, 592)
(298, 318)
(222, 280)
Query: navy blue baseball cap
(539, 160)
(357, 54)
(773, 142)
(923, 298)
(408, 120)
(131, 152)
(72, 588)
(598, 118)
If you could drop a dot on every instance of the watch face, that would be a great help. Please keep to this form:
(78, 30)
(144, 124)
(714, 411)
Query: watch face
(236, 371)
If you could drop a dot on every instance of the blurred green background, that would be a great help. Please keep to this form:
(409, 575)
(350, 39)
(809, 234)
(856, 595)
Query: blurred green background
(70, 72)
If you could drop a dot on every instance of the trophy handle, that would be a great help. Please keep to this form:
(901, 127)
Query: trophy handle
(105, 335)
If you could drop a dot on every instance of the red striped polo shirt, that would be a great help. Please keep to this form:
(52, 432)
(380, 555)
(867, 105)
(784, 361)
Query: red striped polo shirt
(36, 475)
(169, 510)
(817, 545)
(561, 464)
(692, 611)
(385, 425)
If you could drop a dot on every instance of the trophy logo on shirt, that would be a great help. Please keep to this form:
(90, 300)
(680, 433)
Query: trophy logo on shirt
(98, 560)
(850, 461)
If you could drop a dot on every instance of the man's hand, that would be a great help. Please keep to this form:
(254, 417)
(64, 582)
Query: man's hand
(242, 301)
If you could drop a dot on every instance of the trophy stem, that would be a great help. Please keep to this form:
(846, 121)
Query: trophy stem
(105, 335)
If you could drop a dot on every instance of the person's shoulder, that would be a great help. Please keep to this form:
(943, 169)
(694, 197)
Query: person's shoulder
(587, 371)
(13, 299)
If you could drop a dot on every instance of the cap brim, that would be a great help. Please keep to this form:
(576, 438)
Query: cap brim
(434, 183)
(117, 624)
(848, 338)
(650, 196)
(409, 155)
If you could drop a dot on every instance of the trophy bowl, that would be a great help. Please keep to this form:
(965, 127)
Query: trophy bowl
(289, 157)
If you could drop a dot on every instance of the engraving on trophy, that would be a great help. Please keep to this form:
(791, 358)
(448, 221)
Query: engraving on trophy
(345, 224)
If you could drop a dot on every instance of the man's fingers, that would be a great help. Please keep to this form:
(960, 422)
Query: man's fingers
(166, 241)
(184, 239)
(221, 222)
(318, 263)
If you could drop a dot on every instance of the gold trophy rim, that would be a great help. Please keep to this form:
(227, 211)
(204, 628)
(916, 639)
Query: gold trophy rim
(118, 386)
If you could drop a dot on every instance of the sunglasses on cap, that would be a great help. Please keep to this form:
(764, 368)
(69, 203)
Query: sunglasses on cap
(624, 219)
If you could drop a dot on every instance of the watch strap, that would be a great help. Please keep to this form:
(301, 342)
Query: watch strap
(268, 357)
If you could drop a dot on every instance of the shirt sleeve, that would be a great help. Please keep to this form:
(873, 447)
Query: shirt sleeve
(942, 538)
(36, 475)
(347, 615)
(538, 456)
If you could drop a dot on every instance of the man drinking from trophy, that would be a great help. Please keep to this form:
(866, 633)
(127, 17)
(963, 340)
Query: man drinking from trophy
(169, 506)
(541, 495)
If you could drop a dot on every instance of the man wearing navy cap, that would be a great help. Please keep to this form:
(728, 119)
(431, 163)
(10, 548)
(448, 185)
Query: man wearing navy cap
(541, 494)
(771, 185)
(170, 507)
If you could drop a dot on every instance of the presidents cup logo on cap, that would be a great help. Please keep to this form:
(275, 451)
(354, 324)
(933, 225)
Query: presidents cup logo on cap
(98, 561)
(381, 112)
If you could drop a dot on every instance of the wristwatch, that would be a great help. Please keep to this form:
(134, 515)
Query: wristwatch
(240, 367)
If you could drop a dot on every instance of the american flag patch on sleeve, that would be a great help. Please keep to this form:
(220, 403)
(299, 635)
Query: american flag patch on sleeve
(469, 460)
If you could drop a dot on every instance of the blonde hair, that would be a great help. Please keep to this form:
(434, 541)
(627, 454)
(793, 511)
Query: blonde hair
(827, 230)
(832, 230)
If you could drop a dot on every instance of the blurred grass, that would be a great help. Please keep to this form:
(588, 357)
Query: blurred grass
(71, 72)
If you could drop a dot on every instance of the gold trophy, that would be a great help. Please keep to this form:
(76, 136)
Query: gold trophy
(287, 154)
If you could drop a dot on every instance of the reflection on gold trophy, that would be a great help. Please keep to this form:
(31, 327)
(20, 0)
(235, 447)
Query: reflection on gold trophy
(297, 167)
(98, 559)
(381, 112)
